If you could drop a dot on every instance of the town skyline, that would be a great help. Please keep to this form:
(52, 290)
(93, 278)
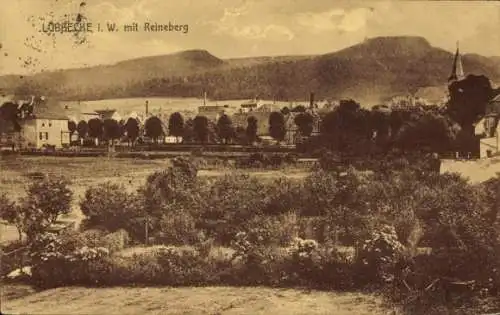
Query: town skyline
(235, 29)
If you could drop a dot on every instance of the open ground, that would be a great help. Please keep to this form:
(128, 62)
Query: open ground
(208, 300)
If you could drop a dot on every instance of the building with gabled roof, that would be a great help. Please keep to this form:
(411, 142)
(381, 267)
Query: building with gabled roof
(488, 129)
(46, 125)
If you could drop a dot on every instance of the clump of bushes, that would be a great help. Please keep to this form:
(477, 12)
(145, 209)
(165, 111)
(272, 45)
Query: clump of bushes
(384, 215)
(261, 160)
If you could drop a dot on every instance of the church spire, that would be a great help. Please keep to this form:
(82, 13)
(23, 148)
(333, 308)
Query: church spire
(457, 72)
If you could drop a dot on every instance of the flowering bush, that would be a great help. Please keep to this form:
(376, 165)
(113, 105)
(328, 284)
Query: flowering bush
(55, 263)
(303, 261)
(379, 255)
(313, 265)
(257, 262)
(186, 267)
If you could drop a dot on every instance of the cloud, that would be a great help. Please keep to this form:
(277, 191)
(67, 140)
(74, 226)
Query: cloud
(355, 20)
(239, 22)
(319, 22)
(334, 20)
(270, 32)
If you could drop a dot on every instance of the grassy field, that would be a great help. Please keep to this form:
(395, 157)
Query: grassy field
(475, 170)
(209, 300)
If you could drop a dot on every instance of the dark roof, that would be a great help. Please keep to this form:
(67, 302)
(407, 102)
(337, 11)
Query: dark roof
(49, 109)
(105, 111)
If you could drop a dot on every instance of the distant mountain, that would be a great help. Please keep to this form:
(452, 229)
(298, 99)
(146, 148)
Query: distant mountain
(369, 72)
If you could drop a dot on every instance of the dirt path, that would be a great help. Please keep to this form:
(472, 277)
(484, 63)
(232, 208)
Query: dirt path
(210, 300)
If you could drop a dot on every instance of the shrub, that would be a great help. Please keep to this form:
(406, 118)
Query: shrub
(290, 158)
(45, 201)
(257, 262)
(91, 237)
(115, 241)
(379, 256)
(276, 160)
(228, 204)
(329, 161)
(177, 227)
(283, 196)
(186, 267)
(111, 207)
(278, 230)
(13, 256)
(138, 269)
(56, 262)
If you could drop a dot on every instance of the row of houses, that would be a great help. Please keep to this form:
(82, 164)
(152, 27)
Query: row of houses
(44, 122)
(261, 111)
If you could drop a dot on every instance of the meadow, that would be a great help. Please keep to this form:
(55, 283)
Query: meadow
(85, 172)
(207, 300)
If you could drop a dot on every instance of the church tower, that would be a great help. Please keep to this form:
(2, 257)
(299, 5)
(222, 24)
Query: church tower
(457, 71)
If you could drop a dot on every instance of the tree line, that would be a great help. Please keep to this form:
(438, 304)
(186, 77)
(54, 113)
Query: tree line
(348, 128)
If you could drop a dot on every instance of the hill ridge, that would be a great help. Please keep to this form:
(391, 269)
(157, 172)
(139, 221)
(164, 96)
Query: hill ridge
(369, 71)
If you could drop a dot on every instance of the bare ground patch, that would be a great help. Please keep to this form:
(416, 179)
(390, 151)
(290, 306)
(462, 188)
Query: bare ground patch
(208, 300)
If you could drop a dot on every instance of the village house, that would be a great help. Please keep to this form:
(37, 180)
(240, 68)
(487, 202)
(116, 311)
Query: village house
(249, 106)
(45, 126)
(241, 120)
(487, 129)
(212, 112)
(108, 114)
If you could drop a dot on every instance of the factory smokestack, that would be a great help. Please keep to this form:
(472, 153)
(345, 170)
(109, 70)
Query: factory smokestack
(311, 100)
(147, 107)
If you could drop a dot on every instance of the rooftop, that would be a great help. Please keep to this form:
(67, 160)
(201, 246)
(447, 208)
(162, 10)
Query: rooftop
(48, 109)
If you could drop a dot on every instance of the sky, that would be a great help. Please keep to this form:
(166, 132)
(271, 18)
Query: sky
(232, 28)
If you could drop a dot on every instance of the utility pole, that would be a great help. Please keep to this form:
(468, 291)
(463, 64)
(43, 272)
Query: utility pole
(146, 229)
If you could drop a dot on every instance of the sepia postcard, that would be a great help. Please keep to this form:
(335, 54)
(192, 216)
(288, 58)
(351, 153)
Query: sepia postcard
(249, 157)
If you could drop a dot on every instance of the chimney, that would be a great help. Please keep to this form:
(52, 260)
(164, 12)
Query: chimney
(311, 100)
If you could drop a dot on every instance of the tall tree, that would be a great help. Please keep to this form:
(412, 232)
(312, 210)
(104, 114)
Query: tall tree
(71, 127)
(132, 129)
(225, 128)
(111, 130)
(240, 136)
(154, 128)
(188, 134)
(176, 125)
(299, 109)
(468, 100)
(10, 112)
(277, 128)
(285, 110)
(304, 122)
(200, 129)
(251, 131)
(82, 129)
(96, 129)
(347, 128)
(427, 132)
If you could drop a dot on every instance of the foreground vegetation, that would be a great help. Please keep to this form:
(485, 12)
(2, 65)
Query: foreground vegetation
(239, 231)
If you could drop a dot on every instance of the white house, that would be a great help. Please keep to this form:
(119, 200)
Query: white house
(488, 129)
(46, 126)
